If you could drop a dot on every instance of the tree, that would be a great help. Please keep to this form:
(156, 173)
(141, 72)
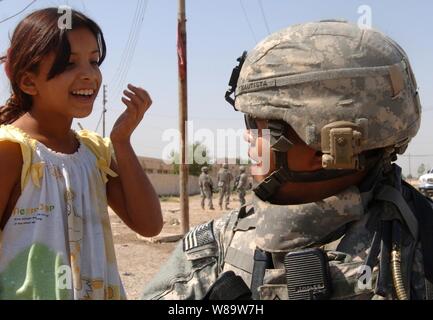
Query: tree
(199, 154)
(421, 169)
(243, 162)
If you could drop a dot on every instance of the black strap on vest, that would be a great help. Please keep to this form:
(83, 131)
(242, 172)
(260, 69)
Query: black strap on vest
(383, 280)
(228, 286)
(424, 214)
(262, 261)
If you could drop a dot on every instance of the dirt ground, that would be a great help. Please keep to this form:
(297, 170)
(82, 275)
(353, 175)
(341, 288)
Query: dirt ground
(139, 260)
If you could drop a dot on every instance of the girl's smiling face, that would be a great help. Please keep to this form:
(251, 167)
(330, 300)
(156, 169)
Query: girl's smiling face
(72, 93)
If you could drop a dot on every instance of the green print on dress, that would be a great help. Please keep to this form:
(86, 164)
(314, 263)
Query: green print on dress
(34, 274)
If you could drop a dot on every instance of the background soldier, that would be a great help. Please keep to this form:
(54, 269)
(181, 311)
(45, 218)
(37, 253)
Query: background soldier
(224, 179)
(340, 103)
(242, 184)
(206, 188)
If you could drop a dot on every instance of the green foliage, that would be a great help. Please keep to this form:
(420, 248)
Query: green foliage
(242, 162)
(198, 155)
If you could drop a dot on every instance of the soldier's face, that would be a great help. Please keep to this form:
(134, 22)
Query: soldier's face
(299, 158)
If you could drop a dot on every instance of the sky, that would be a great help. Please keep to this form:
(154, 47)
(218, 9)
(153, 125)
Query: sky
(218, 32)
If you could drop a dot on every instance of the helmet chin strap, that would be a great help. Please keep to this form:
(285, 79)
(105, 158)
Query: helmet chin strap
(266, 189)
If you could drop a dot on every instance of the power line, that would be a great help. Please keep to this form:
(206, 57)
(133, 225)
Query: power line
(131, 50)
(134, 41)
(416, 155)
(127, 45)
(84, 6)
(264, 16)
(248, 21)
(8, 18)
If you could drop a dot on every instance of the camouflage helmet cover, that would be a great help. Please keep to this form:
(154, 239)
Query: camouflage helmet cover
(324, 76)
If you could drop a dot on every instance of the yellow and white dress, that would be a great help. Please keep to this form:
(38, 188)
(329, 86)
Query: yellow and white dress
(57, 243)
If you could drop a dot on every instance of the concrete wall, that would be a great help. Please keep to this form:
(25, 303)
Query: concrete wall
(168, 184)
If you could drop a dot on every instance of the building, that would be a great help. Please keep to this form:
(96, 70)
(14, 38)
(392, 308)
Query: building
(155, 166)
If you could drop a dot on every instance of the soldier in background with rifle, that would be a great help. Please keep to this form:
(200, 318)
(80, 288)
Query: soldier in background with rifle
(206, 188)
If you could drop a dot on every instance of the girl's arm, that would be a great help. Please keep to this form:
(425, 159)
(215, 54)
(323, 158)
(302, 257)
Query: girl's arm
(131, 195)
(11, 163)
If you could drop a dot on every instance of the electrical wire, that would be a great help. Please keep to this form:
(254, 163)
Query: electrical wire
(248, 21)
(264, 16)
(127, 45)
(415, 155)
(125, 61)
(130, 51)
(16, 14)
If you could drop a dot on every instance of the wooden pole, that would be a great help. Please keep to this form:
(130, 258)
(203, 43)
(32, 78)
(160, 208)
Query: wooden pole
(183, 116)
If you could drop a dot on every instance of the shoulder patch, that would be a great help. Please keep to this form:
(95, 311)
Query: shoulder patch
(199, 236)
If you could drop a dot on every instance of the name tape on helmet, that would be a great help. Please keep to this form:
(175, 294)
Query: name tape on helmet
(282, 81)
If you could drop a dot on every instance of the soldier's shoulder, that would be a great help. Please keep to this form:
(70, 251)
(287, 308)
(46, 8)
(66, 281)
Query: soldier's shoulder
(207, 238)
(195, 264)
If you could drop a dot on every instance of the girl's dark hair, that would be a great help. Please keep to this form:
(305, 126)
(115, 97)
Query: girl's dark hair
(36, 36)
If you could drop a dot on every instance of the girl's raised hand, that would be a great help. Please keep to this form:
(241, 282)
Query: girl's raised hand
(137, 104)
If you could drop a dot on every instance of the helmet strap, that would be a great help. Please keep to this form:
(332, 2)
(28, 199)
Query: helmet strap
(267, 188)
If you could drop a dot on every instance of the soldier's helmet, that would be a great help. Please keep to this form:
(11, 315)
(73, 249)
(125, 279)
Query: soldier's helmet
(204, 169)
(242, 169)
(343, 89)
(225, 166)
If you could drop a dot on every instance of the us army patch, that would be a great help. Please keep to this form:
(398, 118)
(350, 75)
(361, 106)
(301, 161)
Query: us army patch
(199, 236)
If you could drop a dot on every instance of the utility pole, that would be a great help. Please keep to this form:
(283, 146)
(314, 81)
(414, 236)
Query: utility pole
(183, 116)
(410, 165)
(104, 109)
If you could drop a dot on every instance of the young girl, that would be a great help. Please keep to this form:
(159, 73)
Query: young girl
(55, 184)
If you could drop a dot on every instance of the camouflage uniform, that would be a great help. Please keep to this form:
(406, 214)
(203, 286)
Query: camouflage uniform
(229, 244)
(350, 94)
(206, 186)
(242, 185)
(224, 179)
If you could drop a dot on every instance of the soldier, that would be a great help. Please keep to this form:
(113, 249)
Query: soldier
(206, 187)
(224, 179)
(332, 218)
(242, 184)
